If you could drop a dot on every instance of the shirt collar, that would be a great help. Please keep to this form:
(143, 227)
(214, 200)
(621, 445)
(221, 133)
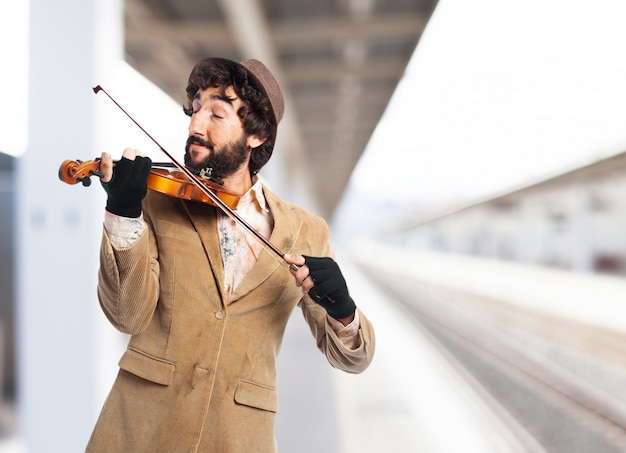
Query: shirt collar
(254, 195)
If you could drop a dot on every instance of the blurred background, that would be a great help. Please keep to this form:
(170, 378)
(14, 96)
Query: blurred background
(469, 157)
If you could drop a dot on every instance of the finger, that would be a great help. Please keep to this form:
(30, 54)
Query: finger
(106, 167)
(131, 153)
(308, 284)
(298, 260)
(302, 276)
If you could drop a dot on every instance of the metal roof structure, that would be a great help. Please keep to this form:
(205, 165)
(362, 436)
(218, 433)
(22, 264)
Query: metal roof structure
(338, 62)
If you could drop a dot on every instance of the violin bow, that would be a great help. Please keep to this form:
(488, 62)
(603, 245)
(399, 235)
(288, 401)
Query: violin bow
(193, 178)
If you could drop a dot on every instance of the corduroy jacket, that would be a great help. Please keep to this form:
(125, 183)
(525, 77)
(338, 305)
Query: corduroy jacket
(199, 371)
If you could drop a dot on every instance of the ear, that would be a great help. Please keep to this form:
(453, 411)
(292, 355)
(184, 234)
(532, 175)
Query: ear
(254, 141)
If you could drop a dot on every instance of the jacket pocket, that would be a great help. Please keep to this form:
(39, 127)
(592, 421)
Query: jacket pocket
(257, 396)
(147, 367)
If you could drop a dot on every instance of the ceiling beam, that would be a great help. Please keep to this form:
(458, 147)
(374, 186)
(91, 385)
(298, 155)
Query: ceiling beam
(293, 34)
(308, 73)
(252, 34)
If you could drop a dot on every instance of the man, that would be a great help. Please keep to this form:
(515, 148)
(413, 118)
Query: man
(206, 306)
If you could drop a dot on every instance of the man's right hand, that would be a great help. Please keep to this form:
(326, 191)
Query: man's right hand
(126, 184)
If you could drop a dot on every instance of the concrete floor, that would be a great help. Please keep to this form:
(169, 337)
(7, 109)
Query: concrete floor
(411, 399)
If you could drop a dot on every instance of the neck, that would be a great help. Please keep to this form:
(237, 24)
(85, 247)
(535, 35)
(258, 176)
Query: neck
(239, 182)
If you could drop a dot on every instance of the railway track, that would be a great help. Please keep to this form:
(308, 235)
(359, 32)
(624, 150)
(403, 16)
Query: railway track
(561, 385)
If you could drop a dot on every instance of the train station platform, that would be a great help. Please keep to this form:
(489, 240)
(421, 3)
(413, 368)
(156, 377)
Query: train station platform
(411, 399)
(592, 299)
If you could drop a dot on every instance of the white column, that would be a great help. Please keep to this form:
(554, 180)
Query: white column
(58, 226)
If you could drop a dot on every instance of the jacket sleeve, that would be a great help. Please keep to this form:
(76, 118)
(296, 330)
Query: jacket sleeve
(128, 283)
(339, 356)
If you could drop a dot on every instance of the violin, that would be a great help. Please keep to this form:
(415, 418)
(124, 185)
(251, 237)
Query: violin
(182, 183)
(163, 178)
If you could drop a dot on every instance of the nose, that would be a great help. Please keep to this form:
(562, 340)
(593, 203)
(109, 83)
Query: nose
(198, 124)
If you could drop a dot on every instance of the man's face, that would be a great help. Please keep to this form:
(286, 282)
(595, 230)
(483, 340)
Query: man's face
(224, 160)
(216, 136)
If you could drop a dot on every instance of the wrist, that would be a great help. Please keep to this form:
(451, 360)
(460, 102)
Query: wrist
(347, 320)
(124, 211)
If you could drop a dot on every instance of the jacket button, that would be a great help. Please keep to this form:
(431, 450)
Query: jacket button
(219, 314)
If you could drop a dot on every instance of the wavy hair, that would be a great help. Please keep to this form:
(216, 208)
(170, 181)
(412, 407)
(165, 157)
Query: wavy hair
(256, 112)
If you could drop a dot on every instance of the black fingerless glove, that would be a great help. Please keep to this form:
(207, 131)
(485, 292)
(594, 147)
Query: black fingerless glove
(330, 290)
(128, 186)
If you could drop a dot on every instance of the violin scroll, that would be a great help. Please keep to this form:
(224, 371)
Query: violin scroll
(75, 171)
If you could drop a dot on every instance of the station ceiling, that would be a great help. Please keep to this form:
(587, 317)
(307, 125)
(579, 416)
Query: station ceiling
(338, 62)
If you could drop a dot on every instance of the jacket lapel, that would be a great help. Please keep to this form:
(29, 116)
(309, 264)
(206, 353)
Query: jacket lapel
(286, 230)
(204, 219)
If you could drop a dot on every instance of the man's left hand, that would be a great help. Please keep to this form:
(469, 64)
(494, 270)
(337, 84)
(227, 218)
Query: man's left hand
(323, 281)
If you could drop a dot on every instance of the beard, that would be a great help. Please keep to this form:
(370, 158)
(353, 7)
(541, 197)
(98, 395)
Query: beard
(223, 161)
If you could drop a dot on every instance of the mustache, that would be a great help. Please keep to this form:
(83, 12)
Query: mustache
(192, 139)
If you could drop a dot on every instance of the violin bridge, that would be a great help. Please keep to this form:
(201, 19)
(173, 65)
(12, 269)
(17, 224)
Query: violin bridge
(207, 173)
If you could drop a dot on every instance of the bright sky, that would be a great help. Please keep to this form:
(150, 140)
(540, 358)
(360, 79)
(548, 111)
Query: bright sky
(500, 93)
